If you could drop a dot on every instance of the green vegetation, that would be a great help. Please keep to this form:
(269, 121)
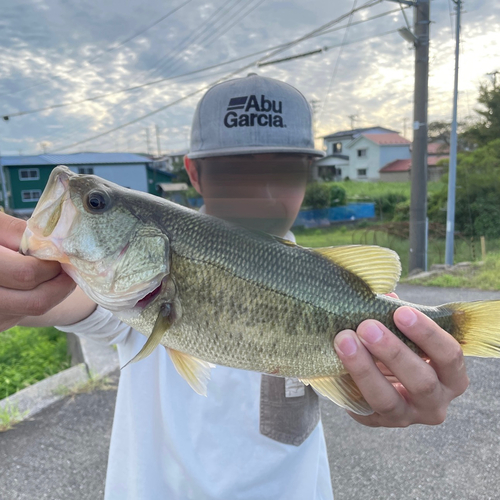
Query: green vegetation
(9, 416)
(485, 276)
(94, 383)
(28, 355)
(378, 234)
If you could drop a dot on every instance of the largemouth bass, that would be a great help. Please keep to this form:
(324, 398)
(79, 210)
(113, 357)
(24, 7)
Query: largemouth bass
(216, 293)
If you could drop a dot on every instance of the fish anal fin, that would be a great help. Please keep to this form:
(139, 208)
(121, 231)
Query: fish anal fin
(162, 324)
(195, 372)
(342, 390)
(378, 267)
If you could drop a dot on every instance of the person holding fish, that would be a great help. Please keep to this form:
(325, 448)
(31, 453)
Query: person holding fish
(229, 287)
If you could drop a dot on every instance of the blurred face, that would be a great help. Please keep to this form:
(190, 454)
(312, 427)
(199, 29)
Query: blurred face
(261, 191)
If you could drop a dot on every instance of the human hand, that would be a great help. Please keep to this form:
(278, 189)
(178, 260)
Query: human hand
(28, 286)
(402, 388)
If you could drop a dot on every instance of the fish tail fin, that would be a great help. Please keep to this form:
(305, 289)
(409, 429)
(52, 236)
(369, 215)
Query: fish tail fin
(476, 326)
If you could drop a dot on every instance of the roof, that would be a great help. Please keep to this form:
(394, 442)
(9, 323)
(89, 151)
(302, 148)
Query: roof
(387, 139)
(74, 159)
(437, 148)
(433, 159)
(357, 131)
(397, 166)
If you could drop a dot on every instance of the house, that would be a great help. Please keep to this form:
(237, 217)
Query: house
(23, 178)
(400, 170)
(360, 154)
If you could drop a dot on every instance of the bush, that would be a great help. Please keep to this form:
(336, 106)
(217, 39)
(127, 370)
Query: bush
(317, 196)
(28, 355)
(338, 196)
(386, 204)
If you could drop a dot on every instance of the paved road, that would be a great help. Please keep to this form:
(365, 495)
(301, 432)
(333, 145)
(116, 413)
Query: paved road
(62, 452)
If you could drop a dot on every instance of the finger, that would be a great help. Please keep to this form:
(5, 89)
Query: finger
(411, 370)
(392, 295)
(443, 350)
(19, 272)
(37, 301)
(376, 389)
(11, 231)
(7, 322)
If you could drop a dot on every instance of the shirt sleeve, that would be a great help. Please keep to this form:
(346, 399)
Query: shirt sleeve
(101, 326)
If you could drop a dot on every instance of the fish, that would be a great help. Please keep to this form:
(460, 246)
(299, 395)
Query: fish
(215, 293)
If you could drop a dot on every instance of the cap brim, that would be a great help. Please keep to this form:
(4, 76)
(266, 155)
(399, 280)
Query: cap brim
(253, 151)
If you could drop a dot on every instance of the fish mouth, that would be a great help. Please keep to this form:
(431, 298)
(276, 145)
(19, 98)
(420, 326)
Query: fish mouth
(51, 220)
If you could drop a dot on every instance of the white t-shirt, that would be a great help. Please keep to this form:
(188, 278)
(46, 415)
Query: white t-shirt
(170, 443)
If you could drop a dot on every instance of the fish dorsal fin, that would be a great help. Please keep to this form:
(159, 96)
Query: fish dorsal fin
(378, 267)
(342, 390)
(284, 241)
(195, 372)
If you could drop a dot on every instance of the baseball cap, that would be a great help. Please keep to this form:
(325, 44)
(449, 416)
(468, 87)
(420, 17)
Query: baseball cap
(252, 115)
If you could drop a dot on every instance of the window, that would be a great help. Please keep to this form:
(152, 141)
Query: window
(361, 153)
(337, 147)
(361, 172)
(339, 172)
(31, 195)
(29, 174)
(86, 170)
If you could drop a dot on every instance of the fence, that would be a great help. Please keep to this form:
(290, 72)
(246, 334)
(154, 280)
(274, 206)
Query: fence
(325, 216)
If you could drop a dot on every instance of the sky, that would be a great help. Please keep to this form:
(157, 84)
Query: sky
(61, 51)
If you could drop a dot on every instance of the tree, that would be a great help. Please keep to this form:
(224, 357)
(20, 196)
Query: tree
(440, 131)
(477, 208)
(487, 128)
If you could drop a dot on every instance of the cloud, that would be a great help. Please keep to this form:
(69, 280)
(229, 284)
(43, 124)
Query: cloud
(47, 47)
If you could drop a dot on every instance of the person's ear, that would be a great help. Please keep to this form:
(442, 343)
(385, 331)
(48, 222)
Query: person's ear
(192, 172)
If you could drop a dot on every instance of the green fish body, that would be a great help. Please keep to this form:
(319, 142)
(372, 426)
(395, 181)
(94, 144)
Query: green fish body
(215, 293)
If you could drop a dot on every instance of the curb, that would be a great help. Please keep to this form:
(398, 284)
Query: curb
(93, 360)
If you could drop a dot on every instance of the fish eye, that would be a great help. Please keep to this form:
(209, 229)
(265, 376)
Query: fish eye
(97, 202)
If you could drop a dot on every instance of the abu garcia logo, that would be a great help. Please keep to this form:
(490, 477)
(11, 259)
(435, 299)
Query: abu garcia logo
(266, 112)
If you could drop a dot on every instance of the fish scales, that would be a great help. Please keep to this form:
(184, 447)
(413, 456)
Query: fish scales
(212, 292)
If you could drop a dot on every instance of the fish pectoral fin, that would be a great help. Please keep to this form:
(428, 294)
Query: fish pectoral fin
(342, 390)
(195, 372)
(378, 267)
(162, 324)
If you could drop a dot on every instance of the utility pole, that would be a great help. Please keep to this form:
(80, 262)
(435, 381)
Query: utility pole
(452, 176)
(353, 118)
(418, 200)
(494, 75)
(158, 140)
(147, 141)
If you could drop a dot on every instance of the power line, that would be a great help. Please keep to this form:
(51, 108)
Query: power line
(168, 78)
(147, 115)
(339, 55)
(110, 49)
(324, 49)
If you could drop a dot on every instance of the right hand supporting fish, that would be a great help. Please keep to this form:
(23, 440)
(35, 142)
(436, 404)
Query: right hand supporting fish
(405, 389)
(28, 286)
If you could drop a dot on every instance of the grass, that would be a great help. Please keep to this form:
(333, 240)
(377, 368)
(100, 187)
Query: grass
(28, 355)
(10, 416)
(486, 277)
(364, 191)
(94, 383)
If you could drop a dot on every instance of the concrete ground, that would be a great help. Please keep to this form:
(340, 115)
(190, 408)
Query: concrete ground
(62, 451)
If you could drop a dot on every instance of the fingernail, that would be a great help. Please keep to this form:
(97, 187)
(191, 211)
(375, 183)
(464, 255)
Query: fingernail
(370, 332)
(406, 316)
(346, 344)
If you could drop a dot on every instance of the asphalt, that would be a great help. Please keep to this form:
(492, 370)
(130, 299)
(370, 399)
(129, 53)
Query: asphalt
(61, 452)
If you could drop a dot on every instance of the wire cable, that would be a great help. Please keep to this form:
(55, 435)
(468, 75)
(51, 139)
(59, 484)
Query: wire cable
(110, 49)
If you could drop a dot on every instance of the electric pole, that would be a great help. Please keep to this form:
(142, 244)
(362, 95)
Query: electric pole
(158, 140)
(147, 141)
(418, 200)
(452, 177)
(353, 118)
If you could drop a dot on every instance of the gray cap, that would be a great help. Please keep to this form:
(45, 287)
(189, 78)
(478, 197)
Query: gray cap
(252, 115)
